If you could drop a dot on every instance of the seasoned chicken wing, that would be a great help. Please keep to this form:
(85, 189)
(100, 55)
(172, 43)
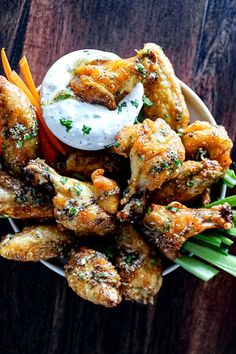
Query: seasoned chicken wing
(202, 138)
(86, 162)
(93, 277)
(106, 191)
(21, 201)
(193, 179)
(18, 126)
(156, 152)
(164, 92)
(35, 244)
(169, 227)
(76, 204)
(138, 266)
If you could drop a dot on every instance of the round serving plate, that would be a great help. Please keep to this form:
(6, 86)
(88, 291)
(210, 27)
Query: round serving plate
(198, 111)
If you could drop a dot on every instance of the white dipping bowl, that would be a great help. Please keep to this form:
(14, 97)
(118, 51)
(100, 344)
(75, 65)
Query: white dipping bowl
(198, 111)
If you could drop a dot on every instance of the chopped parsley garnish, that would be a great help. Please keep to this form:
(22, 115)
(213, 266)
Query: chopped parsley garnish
(141, 69)
(78, 189)
(63, 95)
(171, 208)
(190, 183)
(166, 227)
(164, 164)
(149, 211)
(3, 146)
(19, 144)
(120, 106)
(154, 261)
(86, 130)
(117, 144)
(166, 116)
(72, 211)
(134, 103)
(66, 123)
(178, 163)
(180, 116)
(63, 180)
(131, 258)
(146, 101)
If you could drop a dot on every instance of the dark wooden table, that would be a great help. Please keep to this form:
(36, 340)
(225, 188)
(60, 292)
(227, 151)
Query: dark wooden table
(38, 312)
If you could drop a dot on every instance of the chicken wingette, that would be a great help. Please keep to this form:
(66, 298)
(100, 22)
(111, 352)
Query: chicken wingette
(164, 92)
(36, 243)
(168, 227)
(138, 266)
(203, 139)
(93, 277)
(22, 201)
(155, 151)
(77, 204)
(18, 126)
(193, 179)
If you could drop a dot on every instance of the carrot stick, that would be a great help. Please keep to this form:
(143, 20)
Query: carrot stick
(15, 78)
(49, 151)
(5, 64)
(25, 70)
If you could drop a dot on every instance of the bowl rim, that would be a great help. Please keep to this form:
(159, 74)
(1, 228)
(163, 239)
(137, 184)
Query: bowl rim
(195, 101)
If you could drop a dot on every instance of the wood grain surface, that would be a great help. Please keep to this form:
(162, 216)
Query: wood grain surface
(38, 312)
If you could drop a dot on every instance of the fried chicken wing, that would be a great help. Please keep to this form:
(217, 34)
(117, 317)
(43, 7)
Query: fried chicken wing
(76, 205)
(169, 227)
(18, 125)
(138, 266)
(86, 162)
(164, 91)
(22, 201)
(202, 138)
(35, 244)
(106, 191)
(193, 179)
(155, 152)
(107, 82)
(93, 277)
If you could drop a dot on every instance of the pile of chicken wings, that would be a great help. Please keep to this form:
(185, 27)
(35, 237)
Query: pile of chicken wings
(112, 213)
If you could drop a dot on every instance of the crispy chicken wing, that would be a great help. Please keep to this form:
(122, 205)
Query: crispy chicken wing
(156, 152)
(86, 162)
(76, 204)
(35, 244)
(164, 91)
(202, 138)
(169, 227)
(22, 201)
(193, 179)
(18, 125)
(106, 191)
(93, 277)
(138, 266)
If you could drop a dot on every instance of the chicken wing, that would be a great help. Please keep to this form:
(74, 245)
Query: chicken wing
(86, 162)
(18, 125)
(22, 201)
(138, 266)
(164, 92)
(193, 179)
(169, 227)
(35, 244)
(76, 204)
(202, 138)
(93, 277)
(156, 152)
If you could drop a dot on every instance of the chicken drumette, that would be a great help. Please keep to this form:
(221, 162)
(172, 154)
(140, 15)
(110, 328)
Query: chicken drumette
(156, 152)
(138, 266)
(193, 179)
(18, 126)
(22, 201)
(36, 243)
(79, 206)
(169, 227)
(93, 277)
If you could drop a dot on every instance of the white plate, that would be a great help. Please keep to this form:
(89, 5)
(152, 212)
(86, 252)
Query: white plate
(198, 111)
